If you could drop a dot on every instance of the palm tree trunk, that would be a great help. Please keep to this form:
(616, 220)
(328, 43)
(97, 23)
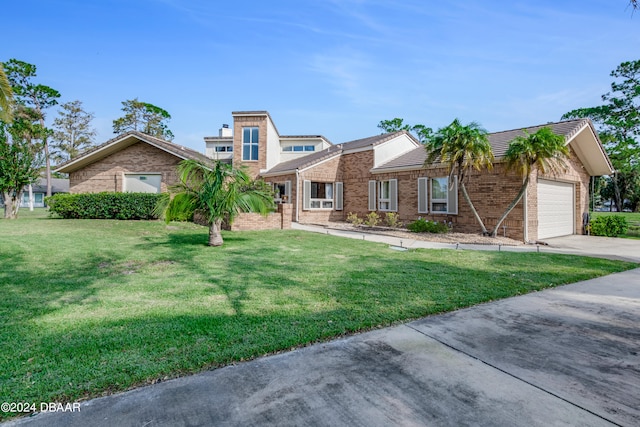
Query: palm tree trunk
(473, 208)
(215, 236)
(513, 204)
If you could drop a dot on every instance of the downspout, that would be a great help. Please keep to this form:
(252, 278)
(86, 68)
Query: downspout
(297, 192)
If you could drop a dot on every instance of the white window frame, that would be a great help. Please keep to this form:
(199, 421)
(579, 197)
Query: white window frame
(388, 195)
(451, 200)
(248, 145)
(278, 197)
(314, 203)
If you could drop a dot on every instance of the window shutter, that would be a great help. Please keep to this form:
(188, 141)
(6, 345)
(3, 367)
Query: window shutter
(287, 190)
(423, 201)
(306, 195)
(372, 195)
(393, 195)
(452, 199)
(339, 201)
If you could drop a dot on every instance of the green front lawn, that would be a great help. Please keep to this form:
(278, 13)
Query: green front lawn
(91, 307)
(633, 219)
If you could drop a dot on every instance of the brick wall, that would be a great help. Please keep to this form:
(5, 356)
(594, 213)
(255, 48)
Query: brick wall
(328, 171)
(280, 220)
(108, 173)
(254, 166)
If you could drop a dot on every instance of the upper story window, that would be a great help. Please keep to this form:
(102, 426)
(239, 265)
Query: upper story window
(299, 148)
(224, 149)
(250, 143)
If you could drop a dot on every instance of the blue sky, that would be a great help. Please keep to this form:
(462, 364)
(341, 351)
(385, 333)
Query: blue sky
(329, 67)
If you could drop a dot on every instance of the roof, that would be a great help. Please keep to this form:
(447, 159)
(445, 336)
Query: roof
(580, 133)
(58, 185)
(125, 140)
(305, 161)
(372, 141)
(334, 150)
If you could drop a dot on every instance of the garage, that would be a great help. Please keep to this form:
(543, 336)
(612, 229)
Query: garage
(556, 203)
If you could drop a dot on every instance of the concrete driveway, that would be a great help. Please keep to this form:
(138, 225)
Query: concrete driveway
(604, 247)
(568, 356)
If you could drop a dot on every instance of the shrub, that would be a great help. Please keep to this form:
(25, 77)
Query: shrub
(425, 226)
(104, 205)
(392, 219)
(354, 219)
(609, 226)
(372, 219)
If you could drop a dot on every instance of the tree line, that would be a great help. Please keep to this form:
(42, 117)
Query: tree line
(465, 147)
(28, 147)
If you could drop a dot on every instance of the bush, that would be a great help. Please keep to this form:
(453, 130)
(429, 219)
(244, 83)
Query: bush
(353, 218)
(372, 219)
(104, 205)
(609, 226)
(392, 219)
(425, 226)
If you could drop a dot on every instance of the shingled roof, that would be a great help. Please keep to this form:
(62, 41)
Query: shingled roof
(499, 141)
(124, 140)
(334, 150)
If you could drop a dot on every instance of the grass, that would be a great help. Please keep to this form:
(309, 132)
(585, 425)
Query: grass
(633, 219)
(92, 307)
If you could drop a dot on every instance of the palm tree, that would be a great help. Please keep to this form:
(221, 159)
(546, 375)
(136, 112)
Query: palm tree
(6, 97)
(218, 192)
(543, 150)
(461, 149)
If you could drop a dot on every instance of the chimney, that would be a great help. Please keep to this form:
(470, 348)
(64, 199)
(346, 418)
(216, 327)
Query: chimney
(225, 131)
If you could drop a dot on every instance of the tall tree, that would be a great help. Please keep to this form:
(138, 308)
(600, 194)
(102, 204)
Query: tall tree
(618, 121)
(462, 149)
(6, 97)
(73, 132)
(543, 150)
(36, 96)
(219, 193)
(19, 165)
(143, 117)
(421, 132)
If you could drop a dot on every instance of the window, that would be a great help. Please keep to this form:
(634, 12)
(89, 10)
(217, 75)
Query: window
(444, 195)
(321, 195)
(250, 143)
(224, 149)
(439, 195)
(282, 192)
(299, 148)
(383, 201)
(387, 192)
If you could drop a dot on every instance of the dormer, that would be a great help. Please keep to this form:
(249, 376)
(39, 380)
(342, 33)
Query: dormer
(220, 147)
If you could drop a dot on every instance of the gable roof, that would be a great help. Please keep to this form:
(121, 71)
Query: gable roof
(580, 133)
(123, 141)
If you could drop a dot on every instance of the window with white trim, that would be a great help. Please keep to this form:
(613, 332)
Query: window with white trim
(321, 195)
(250, 143)
(282, 192)
(298, 148)
(224, 149)
(383, 200)
(444, 195)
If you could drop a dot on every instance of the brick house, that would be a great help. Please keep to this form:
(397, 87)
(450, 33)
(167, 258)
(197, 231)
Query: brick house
(384, 173)
(131, 162)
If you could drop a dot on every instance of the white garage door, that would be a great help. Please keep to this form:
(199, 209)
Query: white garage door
(142, 183)
(555, 209)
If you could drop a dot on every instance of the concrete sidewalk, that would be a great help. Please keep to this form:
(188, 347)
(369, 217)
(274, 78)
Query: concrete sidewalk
(565, 356)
